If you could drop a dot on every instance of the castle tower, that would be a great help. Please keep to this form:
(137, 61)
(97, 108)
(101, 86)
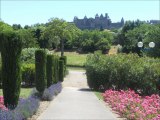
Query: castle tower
(85, 19)
(75, 19)
(101, 16)
(122, 21)
(106, 15)
(96, 16)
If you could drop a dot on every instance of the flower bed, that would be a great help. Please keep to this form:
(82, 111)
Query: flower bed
(27, 107)
(132, 106)
(2, 104)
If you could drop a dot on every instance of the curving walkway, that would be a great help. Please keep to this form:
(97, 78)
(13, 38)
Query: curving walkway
(77, 102)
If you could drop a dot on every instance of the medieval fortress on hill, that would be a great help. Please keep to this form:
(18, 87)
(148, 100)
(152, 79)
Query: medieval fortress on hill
(99, 22)
(102, 22)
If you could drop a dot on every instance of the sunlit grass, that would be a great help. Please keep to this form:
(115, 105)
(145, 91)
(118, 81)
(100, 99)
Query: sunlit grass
(75, 59)
(25, 92)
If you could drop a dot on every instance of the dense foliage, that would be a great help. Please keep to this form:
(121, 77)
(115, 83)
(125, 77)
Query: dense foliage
(11, 47)
(136, 31)
(123, 72)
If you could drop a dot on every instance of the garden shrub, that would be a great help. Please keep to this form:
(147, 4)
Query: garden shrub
(40, 68)
(122, 72)
(28, 55)
(61, 70)
(28, 75)
(50, 70)
(11, 47)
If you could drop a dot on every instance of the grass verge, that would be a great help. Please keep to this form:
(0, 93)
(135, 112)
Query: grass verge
(25, 92)
(99, 95)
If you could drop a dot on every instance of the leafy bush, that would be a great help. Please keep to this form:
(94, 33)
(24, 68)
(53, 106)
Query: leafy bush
(28, 74)
(28, 55)
(40, 67)
(123, 72)
(11, 47)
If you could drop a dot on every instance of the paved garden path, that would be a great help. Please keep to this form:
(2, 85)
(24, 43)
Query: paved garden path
(77, 102)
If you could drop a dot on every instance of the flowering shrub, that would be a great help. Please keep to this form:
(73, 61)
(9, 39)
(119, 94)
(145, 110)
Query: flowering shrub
(2, 106)
(24, 109)
(52, 91)
(27, 107)
(132, 106)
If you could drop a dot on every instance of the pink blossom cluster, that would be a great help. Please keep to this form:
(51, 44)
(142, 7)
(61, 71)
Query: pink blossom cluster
(2, 103)
(132, 106)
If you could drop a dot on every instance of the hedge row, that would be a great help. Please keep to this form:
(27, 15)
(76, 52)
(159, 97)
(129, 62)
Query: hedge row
(28, 72)
(122, 72)
(49, 70)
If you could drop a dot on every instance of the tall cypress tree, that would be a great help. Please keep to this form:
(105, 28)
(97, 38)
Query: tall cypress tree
(40, 67)
(50, 70)
(11, 47)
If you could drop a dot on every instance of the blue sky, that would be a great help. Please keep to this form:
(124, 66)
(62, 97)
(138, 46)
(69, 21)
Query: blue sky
(31, 12)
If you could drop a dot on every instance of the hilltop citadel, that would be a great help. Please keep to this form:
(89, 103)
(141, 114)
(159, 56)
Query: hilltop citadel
(102, 22)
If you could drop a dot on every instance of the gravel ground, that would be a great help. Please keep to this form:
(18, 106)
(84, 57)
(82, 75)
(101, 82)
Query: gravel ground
(43, 106)
(75, 79)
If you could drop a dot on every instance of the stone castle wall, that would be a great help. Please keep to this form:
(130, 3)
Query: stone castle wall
(99, 22)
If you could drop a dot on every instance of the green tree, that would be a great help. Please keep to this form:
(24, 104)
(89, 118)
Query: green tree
(16, 26)
(153, 35)
(123, 40)
(60, 28)
(28, 38)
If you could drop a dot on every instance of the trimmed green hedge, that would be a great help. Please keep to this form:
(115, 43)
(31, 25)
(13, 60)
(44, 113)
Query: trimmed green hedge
(61, 70)
(56, 68)
(40, 67)
(50, 70)
(122, 72)
(64, 58)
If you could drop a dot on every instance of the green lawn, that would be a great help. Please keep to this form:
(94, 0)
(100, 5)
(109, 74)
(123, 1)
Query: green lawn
(74, 59)
(25, 92)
